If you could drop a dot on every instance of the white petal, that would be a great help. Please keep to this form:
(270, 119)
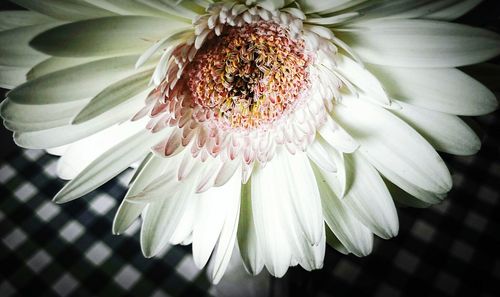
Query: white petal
(54, 64)
(10, 77)
(248, 241)
(320, 157)
(326, 6)
(447, 90)
(389, 143)
(411, 9)
(447, 133)
(369, 199)
(128, 7)
(12, 19)
(81, 153)
(107, 36)
(225, 244)
(64, 10)
(15, 50)
(362, 78)
(305, 195)
(421, 43)
(454, 11)
(337, 137)
(162, 217)
(213, 207)
(62, 133)
(356, 238)
(78, 82)
(126, 214)
(115, 94)
(109, 164)
(270, 217)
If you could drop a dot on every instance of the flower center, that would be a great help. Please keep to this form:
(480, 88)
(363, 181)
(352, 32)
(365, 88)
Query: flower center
(249, 76)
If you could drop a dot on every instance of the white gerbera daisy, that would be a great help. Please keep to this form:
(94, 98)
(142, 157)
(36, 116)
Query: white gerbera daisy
(277, 125)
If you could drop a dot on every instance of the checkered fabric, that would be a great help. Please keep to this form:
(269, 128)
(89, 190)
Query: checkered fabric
(451, 249)
(68, 250)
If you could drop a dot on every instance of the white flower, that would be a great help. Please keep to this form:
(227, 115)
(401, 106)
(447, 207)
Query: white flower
(277, 125)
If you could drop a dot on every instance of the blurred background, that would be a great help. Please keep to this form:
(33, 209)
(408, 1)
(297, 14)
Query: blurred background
(451, 249)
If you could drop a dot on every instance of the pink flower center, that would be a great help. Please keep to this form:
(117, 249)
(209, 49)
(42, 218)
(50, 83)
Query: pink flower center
(250, 76)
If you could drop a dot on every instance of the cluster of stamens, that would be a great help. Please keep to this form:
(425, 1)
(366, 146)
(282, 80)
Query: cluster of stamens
(250, 76)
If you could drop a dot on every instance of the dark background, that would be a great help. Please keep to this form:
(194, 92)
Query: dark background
(448, 250)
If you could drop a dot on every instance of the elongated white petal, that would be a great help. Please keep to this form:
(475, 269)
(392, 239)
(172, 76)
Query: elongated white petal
(388, 142)
(447, 133)
(108, 36)
(334, 242)
(109, 164)
(63, 134)
(81, 153)
(454, 11)
(28, 118)
(54, 64)
(446, 90)
(402, 198)
(115, 94)
(15, 50)
(353, 235)
(411, 9)
(363, 79)
(162, 217)
(270, 217)
(369, 199)
(305, 195)
(213, 207)
(127, 212)
(128, 7)
(248, 241)
(421, 43)
(225, 245)
(74, 83)
(10, 77)
(20, 18)
(64, 10)
(326, 6)
(320, 157)
(337, 137)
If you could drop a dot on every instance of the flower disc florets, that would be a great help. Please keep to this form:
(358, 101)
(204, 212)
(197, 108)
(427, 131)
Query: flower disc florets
(249, 76)
(243, 83)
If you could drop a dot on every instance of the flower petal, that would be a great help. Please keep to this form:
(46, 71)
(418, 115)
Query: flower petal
(248, 241)
(81, 153)
(78, 82)
(353, 235)
(109, 164)
(20, 18)
(127, 212)
(62, 133)
(225, 244)
(64, 10)
(327, 6)
(420, 43)
(15, 51)
(369, 199)
(305, 195)
(115, 94)
(447, 133)
(389, 143)
(446, 90)
(161, 218)
(120, 35)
